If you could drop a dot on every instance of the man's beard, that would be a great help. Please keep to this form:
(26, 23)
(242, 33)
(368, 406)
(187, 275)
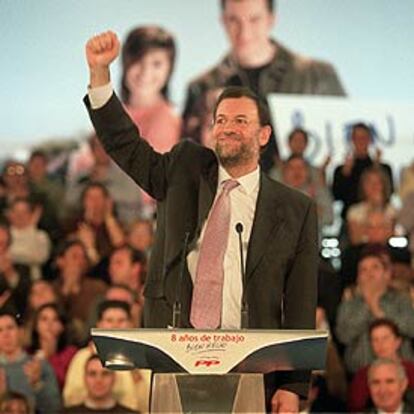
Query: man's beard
(235, 157)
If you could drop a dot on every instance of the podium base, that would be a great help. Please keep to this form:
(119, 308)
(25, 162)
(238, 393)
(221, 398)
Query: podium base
(185, 393)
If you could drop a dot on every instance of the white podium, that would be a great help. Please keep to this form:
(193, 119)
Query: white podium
(210, 371)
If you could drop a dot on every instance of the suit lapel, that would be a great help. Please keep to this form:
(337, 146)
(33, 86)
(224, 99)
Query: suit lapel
(207, 192)
(267, 221)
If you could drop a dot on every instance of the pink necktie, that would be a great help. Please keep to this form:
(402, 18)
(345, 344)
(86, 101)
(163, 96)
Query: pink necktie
(208, 286)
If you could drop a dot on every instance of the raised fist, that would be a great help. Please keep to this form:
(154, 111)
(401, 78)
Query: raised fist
(101, 50)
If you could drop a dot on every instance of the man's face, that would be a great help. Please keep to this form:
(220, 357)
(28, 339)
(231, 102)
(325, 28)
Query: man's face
(73, 258)
(15, 406)
(37, 167)
(9, 335)
(114, 318)
(386, 387)
(20, 215)
(384, 343)
(95, 202)
(98, 380)
(373, 187)
(372, 272)
(122, 270)
(248, 24)
(237, 133)
(140, 235)
(41, 293)
(295, 173)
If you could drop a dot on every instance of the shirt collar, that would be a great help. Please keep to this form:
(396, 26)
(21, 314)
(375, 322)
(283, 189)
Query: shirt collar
(248, 183)
(398, 411)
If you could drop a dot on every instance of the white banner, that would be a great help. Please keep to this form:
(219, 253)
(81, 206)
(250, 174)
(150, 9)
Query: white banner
(328, 121)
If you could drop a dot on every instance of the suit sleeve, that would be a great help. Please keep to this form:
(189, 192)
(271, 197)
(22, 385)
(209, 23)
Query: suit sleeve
(123, 142)
(300, 297)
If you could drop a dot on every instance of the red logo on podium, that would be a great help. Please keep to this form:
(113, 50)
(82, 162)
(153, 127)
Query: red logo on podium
(207, 362)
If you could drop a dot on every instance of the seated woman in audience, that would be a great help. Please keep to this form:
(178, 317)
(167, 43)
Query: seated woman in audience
(375, 193)
(96, 225)
(33, 377)
(385, 340)
(148, 55)
(140, 235)
(41, 292)
(98, 167)
(297, 174)
(373, 299)
(17, 185)
(297, 142)
(76, 291)
(379, 229)
(49, 339)
(30, 246)
(14, 278)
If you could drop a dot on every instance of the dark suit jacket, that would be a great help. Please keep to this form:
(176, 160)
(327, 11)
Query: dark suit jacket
(282, 257)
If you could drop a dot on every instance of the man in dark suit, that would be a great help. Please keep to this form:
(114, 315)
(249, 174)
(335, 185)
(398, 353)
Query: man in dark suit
(280, 229)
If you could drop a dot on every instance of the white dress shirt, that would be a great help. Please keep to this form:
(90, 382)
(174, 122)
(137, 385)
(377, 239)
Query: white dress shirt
(242, 206)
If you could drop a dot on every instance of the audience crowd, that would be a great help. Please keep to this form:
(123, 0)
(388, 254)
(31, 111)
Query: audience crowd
(75, 242)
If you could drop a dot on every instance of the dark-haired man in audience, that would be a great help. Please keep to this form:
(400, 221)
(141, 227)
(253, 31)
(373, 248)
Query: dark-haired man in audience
(258, 62)
(127, 266)
(131, 388)
(99, 383)
(32, 377)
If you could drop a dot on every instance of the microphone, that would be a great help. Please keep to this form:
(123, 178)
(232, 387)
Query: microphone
(245, 308)
(176, 322)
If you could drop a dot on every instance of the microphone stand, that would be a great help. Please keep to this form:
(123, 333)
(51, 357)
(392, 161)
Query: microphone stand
(245, 306)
